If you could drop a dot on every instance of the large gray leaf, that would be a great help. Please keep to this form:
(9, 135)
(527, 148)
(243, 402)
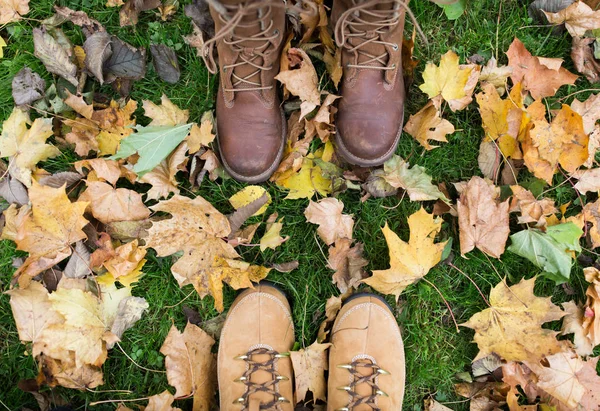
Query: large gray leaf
(79, 263)
(199, 12)
(125, 62)
(165, 63)
(129, 311)
(537, 8)
(98, 50)
(53, 53)
(13, 191)
(153, 144)
(27, 87)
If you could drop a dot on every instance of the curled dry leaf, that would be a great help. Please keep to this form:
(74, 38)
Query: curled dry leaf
(483, 221)
(190, 365)
(348, 263)
(165, 63)
(239, 217)
(494, 75)
(542, 77)
(428, 124)
(104, 170)
(512, 326)
(532, 210)
(25, 147)
(130, 11)
(108, 204)
(409, 261)
(332, 307)
(454, 82)
(98, 49)
(333, 225)
(124, 265)
(582, 54)
(577, 17)
(310, 364)
(573, 324)
(27, 87)
(55, 53)
(301, 80)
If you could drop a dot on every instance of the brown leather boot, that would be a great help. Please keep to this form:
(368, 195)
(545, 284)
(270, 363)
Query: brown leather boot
(254, 367)
(371, 111)
(366, 359)
(250, 122)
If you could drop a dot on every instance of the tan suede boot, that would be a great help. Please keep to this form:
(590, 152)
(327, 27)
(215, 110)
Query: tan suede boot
(254, 367)
(366, 359)
(371, 111)
(251, 126)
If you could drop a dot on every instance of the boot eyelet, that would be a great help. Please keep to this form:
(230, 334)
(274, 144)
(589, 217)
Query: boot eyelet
(395, 47)
(393, 66)
(276, 32)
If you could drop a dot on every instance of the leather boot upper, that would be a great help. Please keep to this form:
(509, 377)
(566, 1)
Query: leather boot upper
(250, 123)
(371, 110)
(254, 367)
(366, 359)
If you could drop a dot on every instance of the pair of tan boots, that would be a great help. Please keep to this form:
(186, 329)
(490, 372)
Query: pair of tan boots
(366, 358)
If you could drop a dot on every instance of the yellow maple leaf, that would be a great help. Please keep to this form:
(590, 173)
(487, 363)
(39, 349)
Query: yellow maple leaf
(48, 232)
(201, 136)
(454, 82)
(409, 261)
(512, 326)
(272, 238)
(167, 114)
(428, 124)
(198, 229)
(306, 182)
(25, 147)
(563, 141)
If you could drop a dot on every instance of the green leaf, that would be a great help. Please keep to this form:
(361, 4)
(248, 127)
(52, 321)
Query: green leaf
(455, 10)
(567, 234)
(152, 144)
(549, 251)
(415, 180)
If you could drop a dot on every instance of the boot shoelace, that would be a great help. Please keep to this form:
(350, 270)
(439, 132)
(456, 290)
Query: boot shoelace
(358, 379)
(233, 18)
(270, 386)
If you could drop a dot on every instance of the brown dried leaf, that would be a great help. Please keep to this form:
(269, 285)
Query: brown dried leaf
(483, 222)
(310, 364)
(333, 225)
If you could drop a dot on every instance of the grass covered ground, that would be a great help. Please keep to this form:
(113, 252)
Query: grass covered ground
(435, 351)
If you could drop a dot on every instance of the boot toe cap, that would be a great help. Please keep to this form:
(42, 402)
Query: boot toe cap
(367, 142)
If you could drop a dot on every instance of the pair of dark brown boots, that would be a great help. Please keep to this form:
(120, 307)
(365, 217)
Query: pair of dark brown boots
(366, 356)
(250, 122)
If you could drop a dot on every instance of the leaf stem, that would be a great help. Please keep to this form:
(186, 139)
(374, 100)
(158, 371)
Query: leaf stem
(445, 302)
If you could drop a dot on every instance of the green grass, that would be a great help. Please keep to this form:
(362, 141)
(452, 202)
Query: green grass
(435, 351)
